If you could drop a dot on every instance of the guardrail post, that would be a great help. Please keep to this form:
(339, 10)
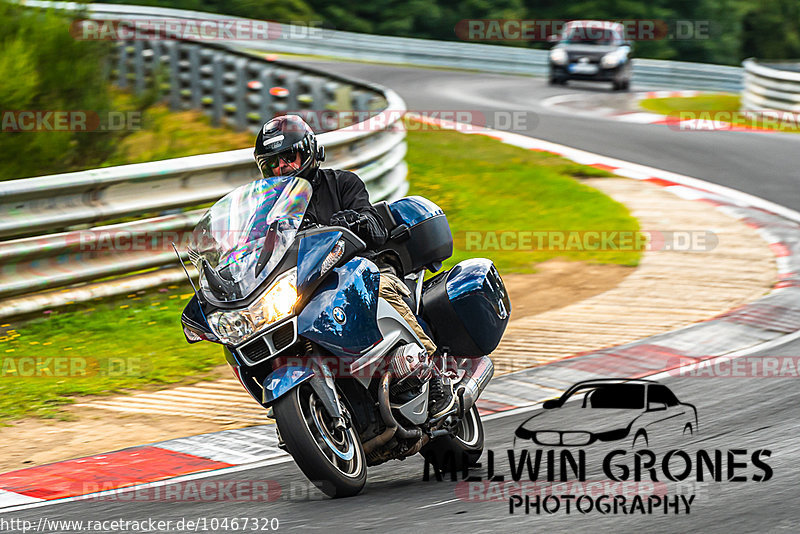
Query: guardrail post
(171, 59)
(195, 76)
(238, 109)
(138, 66)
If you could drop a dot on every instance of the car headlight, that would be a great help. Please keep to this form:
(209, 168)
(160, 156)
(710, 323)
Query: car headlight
(612, 59)
(558, 56)
(277, 302)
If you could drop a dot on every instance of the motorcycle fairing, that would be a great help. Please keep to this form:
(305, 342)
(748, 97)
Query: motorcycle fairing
(312, 251)
(283, 380)
(341, 316)
(195, 325)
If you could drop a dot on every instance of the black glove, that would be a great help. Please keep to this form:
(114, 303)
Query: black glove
(367, 227)
(348, 218)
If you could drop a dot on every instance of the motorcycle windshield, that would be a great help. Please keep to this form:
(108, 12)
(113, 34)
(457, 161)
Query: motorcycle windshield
(241, 239)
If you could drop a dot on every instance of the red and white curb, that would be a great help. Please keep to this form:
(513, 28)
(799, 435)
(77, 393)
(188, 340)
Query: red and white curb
(769, 320)
(139, 465)
(563, 103)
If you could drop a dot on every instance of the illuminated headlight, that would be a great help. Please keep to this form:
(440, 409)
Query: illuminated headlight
(611, 60)
(277, 302)
(558, 56)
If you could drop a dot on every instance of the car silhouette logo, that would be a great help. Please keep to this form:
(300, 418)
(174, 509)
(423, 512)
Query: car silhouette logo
(610, 410)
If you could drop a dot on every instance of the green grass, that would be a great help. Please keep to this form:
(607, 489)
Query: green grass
(708, 102)
(168, 134)
(718, 108)
(483, 185)
(97, 348)
(136, 341)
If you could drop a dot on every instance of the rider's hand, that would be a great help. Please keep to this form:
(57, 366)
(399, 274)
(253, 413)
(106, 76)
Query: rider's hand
(346, 218)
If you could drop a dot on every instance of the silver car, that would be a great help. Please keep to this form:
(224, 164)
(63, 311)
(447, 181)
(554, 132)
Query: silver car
(591, 50)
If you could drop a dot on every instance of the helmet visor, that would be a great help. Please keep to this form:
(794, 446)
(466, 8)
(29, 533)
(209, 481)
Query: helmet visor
(288, 162)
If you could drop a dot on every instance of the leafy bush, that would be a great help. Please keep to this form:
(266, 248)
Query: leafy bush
(44, 68)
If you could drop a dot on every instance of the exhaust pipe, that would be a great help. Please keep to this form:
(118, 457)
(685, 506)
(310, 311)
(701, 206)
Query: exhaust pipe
(386, 411)
(475, 381)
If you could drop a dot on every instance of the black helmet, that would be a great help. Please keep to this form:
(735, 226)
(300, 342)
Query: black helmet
(284, 138)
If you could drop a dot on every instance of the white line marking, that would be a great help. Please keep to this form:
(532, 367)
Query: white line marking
(9, 498)
(437, 504)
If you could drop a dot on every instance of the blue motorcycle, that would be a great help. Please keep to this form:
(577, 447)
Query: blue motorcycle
(297, 309)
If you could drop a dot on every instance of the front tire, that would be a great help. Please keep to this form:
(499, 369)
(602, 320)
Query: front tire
(465, 446)
(333, 460)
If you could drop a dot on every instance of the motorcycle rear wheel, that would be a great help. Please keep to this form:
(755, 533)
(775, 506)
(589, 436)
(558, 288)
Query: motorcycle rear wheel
(465, 446)
(333, 460)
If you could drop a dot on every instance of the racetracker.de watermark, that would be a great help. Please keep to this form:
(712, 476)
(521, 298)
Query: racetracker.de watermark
(743, 367)
(544, 29)
(71, 366)
(463, 120)
(705, 121)
(192, 29)
(586, 240)
(188, 491)
(69, 121)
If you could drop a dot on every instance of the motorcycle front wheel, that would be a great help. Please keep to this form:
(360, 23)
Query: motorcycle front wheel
(333, 460)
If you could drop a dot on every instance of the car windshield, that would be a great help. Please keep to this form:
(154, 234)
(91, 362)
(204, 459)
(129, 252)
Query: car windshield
(242, 238)
(590, 35)
(612, 396)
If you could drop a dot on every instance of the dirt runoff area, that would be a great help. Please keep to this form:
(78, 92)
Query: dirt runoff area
(32, 442)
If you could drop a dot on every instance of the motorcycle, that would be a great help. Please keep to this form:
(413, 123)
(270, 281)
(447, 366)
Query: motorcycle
(296, 307)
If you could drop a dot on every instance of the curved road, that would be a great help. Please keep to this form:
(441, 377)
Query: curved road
(734, 413)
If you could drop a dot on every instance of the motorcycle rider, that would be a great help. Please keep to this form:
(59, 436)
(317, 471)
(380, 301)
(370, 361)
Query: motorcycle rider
(286, 146)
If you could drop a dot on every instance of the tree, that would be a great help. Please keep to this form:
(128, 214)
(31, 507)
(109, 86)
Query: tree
(44, 68)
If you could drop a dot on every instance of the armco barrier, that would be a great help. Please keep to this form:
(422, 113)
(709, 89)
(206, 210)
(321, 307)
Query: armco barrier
(647, 73)
(59, 230)
(771, 86)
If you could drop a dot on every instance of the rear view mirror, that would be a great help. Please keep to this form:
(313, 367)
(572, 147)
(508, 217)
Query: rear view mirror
(552, 38)
(656, 406)
(550, 404)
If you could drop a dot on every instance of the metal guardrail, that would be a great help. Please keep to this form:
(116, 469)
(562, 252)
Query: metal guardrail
(233, 87)
(647, 73)
(771, 86)
(59, 230)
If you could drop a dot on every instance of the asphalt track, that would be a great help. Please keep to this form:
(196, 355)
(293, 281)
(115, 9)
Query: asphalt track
(734, 413)
(762, 164)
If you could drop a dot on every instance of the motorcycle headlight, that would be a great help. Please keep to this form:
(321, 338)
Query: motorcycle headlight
(232, 326)
(611, 60)
(277, 302)
(558, 56)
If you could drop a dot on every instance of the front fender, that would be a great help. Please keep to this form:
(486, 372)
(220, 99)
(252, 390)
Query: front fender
(282, 380)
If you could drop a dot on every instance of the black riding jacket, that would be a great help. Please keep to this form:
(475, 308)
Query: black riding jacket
(335, 191)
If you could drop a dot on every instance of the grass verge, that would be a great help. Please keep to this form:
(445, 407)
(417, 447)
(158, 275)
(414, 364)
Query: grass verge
(706, 102)
(496, 196)
(136, 341)
(720, 108)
